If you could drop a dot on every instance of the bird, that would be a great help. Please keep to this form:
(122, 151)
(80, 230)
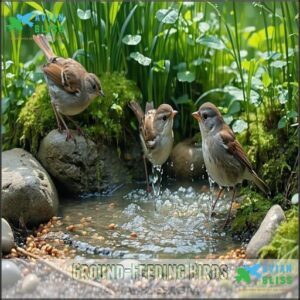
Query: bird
(71, 87)
(156, 132)
(224, 157)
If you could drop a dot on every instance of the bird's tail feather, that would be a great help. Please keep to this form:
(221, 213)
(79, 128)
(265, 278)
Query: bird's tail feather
(260, 184)
(44, 45)
(136, 108)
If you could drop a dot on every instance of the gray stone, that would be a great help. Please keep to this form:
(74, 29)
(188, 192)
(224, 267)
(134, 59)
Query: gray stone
(11, 273)
(186, 160)
(81, 166)
(30, 283)
(28, 193)
(7, 237)
(266, 231)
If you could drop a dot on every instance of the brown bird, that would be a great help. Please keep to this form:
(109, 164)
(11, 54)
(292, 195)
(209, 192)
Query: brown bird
(71, 87)
(156, 132)
(224, 158)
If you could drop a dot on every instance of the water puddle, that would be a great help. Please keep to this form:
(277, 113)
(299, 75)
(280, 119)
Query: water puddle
(133, 224)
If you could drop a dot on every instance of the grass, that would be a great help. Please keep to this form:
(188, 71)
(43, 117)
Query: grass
(183, 53)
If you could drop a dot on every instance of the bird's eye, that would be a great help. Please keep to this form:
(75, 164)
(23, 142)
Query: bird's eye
(165, 118)
(94, 86)
(204, 116)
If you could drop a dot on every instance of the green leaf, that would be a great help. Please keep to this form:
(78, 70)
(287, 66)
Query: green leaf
(235, 92)
(35, 6)
(184, 99)
(57, 8)
(292, 114)
(266, 80)
(140, 58)
(234, 108)
(84, 15)
(283, 96)
(203, 27)
(278, 64)
(282, 122)
(186, 76)
(211, 42)
(239, 126)
(228, 119)
(131, 40)
(115, 6)
(167, 16)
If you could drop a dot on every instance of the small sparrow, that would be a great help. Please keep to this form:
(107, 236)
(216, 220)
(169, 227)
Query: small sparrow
(224, 157)
(71, 87)
(156, 132)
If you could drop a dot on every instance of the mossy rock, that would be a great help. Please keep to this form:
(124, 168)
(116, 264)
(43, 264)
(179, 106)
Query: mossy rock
(285, 243)
(105, 116)
(35, 120)
(273, 154)
(250, 214)
(103, 119)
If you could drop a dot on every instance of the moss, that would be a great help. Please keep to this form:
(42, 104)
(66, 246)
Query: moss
(103, 119)
(273, 154)
(250, 214)
(285, 243)
(35, 120)
(105, 116)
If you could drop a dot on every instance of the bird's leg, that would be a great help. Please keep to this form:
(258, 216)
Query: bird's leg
(219, 194)
(57, 118)
(149, 189)
(79, 130)
(69, 134)
(228, 214)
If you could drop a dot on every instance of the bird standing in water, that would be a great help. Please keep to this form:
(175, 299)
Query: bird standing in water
(156, 132)
(225, 160)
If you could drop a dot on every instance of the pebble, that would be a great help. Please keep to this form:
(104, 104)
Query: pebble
(112, 226)
(30, 283)
(7, 237)
(11, 273)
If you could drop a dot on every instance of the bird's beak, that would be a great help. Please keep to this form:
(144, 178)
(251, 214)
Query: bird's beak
(101, 93)
(196, 115)
(174, 112)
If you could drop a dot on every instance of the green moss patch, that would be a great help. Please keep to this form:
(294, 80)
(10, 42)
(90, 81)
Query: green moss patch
(285, 243)
(250, 214)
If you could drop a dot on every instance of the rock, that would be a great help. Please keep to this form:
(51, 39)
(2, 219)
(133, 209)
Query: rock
(266, 231)
(186, 160)
(28, 193)
(30, 283)
(81, 166)
(11, 273)
(7, 237)
(295, 199)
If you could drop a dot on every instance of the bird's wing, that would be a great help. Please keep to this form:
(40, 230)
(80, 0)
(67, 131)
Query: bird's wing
(148, 131)
(234, 147)
(65, 75)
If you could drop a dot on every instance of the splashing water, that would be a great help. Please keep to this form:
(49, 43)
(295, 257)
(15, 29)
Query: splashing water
(155, 179)
(176, 224)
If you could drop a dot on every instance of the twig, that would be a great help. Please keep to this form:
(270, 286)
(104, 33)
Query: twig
(89, 282)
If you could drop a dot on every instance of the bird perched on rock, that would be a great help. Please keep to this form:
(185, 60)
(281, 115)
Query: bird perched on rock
(71, 87)
(156, 132)
(225, 160)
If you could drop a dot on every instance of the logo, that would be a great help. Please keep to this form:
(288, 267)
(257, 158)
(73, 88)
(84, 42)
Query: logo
(265, 274)
(37, 21)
